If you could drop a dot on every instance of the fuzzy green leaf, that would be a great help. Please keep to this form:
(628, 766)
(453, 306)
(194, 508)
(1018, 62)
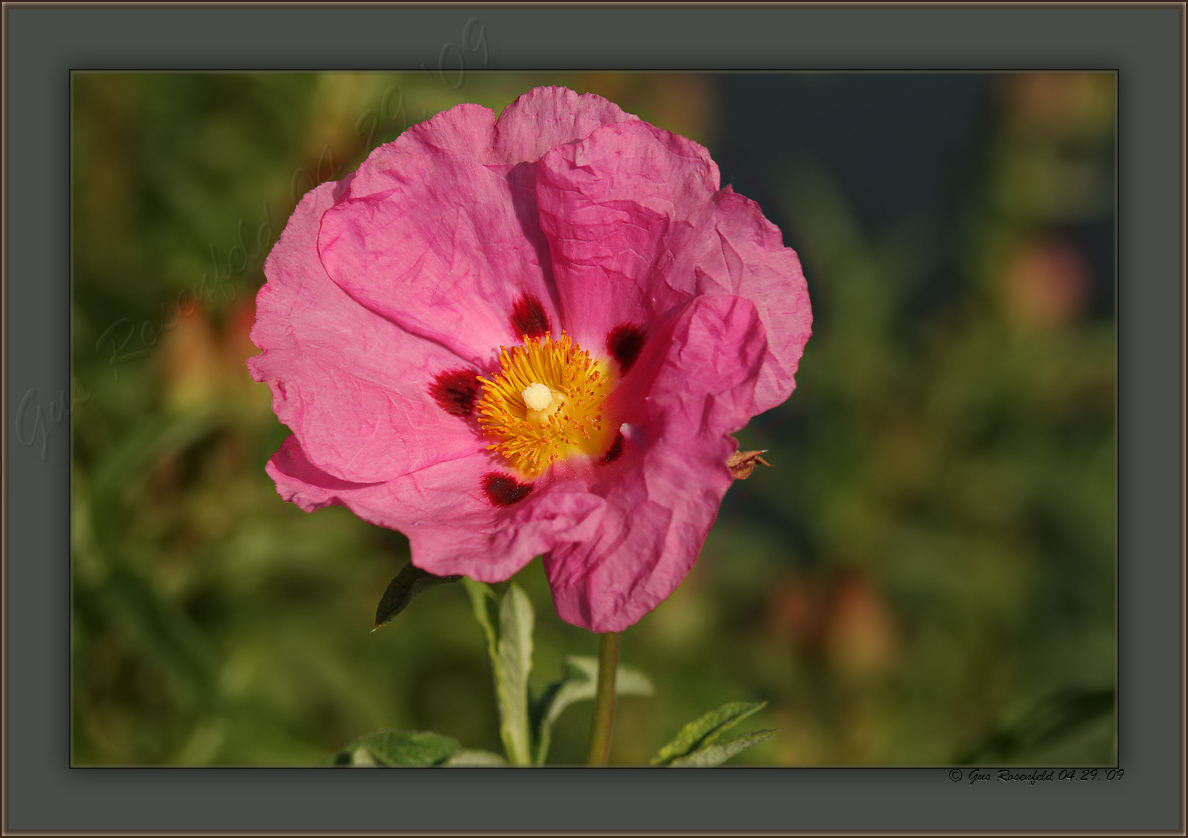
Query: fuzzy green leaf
(509, 645)
(579, 683)
(698, 734)
(411, 581)
(515, 662)
(481, 597)
(397, 747)
(718, 753)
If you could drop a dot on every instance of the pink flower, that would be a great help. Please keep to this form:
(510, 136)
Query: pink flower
(530, 336)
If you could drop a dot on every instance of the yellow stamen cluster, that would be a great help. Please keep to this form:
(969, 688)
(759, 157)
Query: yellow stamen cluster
(530, 432)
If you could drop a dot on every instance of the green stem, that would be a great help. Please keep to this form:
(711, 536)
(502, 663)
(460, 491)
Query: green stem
(604, 702)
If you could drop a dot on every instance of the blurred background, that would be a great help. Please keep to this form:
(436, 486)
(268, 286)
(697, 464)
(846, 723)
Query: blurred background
(925, 575)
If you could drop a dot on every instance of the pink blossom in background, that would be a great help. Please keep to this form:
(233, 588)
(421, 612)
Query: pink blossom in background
(530, 335)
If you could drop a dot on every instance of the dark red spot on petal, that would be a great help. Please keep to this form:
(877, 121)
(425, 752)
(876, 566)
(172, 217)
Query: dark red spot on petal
(529, 318)
(624, 344)
(455, 391)
(615, 450)
(502, 490)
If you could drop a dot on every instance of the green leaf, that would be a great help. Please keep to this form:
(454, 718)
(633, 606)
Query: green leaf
(397, 747)
(579, 683)
(481, 597)
(722, 751)
(510, 650)
(696, 735)
(411, 581)
(475, 757)
(515, 658)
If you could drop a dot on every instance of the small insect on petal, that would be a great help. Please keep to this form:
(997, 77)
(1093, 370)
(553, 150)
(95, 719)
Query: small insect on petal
(742, 463)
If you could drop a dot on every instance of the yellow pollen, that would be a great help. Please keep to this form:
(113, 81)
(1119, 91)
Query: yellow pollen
(545, 403)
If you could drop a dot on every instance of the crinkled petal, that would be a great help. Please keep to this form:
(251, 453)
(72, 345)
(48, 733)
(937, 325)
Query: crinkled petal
(492, 547)
(695, 387)
(352, 385)
(637, 226)
(438, 240)
(547, 117)
(439, 231)
(750, 260)
(619, 208)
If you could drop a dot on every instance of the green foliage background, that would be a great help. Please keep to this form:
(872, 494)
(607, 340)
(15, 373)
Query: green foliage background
(925, 576)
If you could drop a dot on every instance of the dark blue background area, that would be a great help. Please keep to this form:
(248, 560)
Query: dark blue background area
(901, 147)
(907, 150)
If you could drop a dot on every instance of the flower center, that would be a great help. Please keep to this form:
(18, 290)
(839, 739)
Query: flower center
(545, 403)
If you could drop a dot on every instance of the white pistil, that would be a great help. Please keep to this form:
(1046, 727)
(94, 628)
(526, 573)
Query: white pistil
(537, 397)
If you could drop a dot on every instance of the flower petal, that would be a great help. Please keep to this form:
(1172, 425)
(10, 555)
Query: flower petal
(751, 261)
(637, 226)
(695, 386)
(353, 386)
(493, 544)
(617, 208)
(547, 117)
(301, 482)
(451, 526)
(440, 238)
(439, 231)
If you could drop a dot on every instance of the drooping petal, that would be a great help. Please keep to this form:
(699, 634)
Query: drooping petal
(355, 387)
(554, 515)
(301, 482)
(454, 524)
(695, 385)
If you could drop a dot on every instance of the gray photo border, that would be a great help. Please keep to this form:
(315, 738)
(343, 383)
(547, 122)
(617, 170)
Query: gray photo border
(43, 43)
